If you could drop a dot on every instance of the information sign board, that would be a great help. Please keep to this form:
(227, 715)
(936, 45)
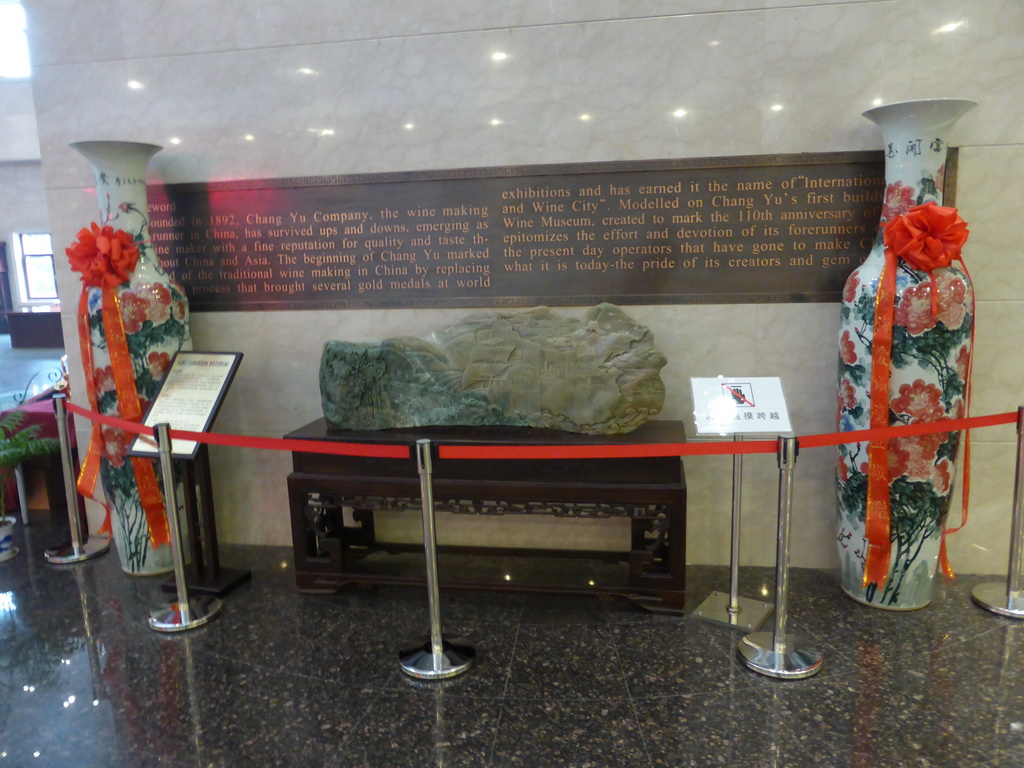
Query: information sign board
(189, 399)
(726, 405)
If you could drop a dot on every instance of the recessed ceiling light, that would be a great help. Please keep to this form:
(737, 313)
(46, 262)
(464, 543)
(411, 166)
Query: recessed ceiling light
(776, 107)
(175, 140)
(249, 137)
(499, 56)
(135, 85)
(584, 117)
(496, 121)
(679, 113)
(953, 26)
(409, 126)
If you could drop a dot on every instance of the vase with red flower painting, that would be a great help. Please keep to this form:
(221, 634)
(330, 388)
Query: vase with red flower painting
(133, 319)
(908, 366)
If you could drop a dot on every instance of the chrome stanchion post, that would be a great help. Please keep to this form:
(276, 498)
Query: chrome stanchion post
(1007, 599)
(778, 654)
(733, 610)
(434, 657)
(186, 613)
(77, 550)
(734, 544)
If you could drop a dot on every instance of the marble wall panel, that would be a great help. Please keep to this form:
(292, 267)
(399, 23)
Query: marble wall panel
(707, 340)
(192, 26)
(72, 33)
(417, 103)
(22, 199)
(19, 134)
(968, 50)
(784, 334)
(983, 545)
(989, 190)
(249, 498)
(812, 533)
(22, 208)
(330, 88)
(708, 509)
(822, 68)
(998, 365)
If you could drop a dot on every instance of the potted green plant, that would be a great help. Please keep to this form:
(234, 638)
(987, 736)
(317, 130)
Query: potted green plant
(18, 444)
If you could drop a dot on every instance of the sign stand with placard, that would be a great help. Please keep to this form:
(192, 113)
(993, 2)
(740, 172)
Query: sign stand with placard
(779, 653)
(737, 406)
(186, 612)
(189, 400)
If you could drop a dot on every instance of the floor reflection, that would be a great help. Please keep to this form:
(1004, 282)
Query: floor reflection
(282, 679)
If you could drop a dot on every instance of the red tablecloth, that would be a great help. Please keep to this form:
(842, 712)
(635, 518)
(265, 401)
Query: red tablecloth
(38, 411)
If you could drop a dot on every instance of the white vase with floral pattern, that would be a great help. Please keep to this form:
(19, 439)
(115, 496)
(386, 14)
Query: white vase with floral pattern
(931, 350)
(155, 313)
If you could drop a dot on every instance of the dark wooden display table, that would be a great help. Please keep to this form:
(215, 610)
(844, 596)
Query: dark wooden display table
(35, 330)
(333, 500)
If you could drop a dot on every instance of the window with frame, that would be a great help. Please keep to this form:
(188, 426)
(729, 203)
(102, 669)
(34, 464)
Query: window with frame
(40, 278)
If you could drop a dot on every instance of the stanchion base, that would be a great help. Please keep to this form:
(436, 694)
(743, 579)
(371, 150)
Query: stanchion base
(800, 659)
(417, 659)
(750, 616)
(993, 597)
(168, 618)
(63, 554)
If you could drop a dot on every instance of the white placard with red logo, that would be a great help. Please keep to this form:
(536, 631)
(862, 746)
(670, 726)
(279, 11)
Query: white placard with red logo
(730, 405)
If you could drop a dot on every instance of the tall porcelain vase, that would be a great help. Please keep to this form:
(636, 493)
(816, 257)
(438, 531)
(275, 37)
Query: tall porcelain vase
(155, 314)
(931, 350)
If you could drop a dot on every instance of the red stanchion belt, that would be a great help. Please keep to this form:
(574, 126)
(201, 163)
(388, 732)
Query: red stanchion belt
(641, 450)
(263, 443)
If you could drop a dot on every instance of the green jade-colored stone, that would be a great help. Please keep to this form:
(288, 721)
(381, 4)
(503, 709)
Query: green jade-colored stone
(598, 374)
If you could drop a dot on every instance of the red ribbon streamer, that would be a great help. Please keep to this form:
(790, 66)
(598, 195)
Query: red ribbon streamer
(131, 410)
(944, 564)
(927, 237)
(878, 512)
(129, 407)
(90, 471)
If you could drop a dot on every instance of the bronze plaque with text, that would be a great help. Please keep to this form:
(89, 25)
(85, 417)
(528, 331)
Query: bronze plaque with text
(722, 230)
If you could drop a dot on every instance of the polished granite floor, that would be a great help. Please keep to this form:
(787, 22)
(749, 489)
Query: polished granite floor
(280, 679)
